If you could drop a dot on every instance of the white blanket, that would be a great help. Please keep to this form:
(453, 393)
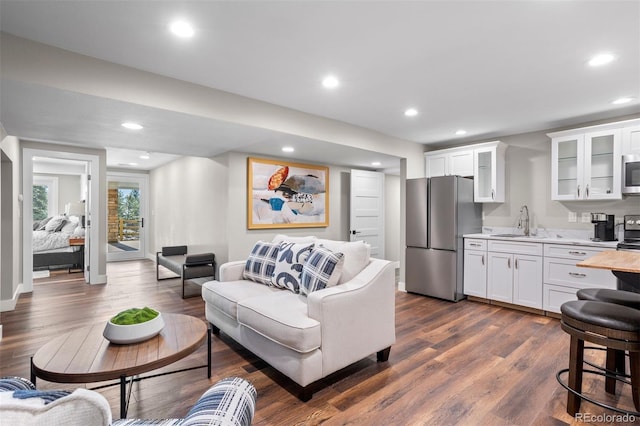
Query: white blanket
(44, 240)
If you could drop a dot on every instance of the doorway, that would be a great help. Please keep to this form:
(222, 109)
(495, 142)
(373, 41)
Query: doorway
(127, 207)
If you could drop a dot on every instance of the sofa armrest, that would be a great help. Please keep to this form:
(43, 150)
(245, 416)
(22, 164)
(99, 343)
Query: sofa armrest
(231, 271)
(231, 401)
(357, 318)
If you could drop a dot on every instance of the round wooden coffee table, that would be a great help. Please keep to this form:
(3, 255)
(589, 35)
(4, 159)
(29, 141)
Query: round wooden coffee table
(83, 355)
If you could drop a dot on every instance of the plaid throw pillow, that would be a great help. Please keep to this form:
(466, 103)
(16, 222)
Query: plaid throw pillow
(322, 269)
(261, 263)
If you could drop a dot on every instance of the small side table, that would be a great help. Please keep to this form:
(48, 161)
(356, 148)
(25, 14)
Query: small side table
(78, 242)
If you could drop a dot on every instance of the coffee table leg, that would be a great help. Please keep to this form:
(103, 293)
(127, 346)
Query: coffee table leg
(33, 373)
(209, 352)
(123, 399)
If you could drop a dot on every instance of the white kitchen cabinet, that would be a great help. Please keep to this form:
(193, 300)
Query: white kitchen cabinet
(489, 165)
(562, 278)
(586, 165)
(449, 162)
(475, 268)
(514, 273)
(631, 139)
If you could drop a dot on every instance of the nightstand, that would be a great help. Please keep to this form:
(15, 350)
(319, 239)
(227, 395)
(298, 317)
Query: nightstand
(79, 266)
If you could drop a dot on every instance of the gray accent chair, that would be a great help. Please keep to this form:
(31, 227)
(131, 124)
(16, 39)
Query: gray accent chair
(195, 269)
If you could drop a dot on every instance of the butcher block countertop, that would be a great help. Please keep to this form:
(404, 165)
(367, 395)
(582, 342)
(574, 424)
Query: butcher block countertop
(625, 261)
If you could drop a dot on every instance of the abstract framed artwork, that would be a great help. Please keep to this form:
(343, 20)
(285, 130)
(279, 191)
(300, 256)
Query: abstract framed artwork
(282, 194)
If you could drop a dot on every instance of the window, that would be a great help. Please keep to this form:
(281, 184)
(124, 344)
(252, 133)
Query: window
(45, 196)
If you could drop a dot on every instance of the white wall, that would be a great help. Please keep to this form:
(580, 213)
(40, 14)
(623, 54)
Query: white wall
(203, 203)
(393, 212)
(11, 235)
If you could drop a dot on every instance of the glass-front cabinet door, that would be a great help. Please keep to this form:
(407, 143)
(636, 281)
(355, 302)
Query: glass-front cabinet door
(488, 173)
(602, 166)
(567, 168)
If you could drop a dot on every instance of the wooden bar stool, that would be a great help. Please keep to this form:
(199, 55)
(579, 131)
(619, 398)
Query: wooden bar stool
(615, 359)
(615, 327)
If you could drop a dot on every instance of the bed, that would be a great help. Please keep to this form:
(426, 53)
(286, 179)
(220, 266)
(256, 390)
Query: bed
(50, 243)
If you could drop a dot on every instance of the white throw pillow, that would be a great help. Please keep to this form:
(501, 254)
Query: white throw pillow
(281, 237)
(321, 270)
(356, 256)
(288, 271)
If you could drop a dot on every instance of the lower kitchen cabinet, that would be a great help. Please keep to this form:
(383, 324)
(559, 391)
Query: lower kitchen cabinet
(515, 279)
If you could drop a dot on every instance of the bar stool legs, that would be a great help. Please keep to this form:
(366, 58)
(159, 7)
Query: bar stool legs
(576, 357)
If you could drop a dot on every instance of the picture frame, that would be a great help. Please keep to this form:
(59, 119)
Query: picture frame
(284, 194)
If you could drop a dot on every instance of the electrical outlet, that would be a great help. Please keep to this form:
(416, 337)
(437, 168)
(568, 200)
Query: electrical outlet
(573, 217)
(586, 217)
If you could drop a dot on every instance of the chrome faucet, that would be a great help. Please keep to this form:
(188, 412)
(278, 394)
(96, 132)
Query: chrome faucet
(524, 211)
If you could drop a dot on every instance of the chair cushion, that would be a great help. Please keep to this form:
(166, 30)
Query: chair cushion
(322, 269)
(261, 262)
(173, 263)
(619, 297)
(82, 407)
(281, 317)
(226, 295)
(288, 268)
(615, 317)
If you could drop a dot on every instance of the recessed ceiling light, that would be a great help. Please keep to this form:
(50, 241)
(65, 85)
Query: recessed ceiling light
(601, 59)
(145, 156)
(330, 82)
(621, 101)
(182, 29)
(411, 112)
(376, 163)
(133, 164)
(132, 126)
(461, 132)
(287, 149)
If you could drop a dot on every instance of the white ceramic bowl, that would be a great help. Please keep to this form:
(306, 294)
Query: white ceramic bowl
(123, 334)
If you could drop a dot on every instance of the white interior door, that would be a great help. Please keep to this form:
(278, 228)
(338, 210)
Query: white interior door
(367, 210)
(126, 205)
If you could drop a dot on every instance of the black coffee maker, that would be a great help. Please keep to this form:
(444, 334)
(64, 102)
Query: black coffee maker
(604, 227)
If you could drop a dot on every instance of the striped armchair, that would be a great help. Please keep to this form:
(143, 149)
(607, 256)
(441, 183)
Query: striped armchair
(230, 402)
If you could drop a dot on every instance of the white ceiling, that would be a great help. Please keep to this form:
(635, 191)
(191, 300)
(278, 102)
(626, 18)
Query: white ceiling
(492, 68)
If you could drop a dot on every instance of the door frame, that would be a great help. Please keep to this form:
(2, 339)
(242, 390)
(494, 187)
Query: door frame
(27, 208)
(143, 182)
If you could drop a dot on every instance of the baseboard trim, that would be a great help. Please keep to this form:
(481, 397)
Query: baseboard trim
(402, 286)
(10, 304)
(100, 279)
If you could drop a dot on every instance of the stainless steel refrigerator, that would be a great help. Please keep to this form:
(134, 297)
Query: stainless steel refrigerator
(440, 211)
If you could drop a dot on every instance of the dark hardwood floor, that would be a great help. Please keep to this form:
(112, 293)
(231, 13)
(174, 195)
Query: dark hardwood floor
(464, 363)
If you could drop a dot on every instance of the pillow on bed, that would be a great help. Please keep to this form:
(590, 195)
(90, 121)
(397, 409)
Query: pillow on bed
(43, 223)
(55, 224)
(69, 227)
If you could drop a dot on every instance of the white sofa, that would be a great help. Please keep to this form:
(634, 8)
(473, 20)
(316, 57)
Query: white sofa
(309, 337)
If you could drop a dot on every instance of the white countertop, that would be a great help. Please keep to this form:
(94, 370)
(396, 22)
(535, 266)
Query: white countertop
(547, 240)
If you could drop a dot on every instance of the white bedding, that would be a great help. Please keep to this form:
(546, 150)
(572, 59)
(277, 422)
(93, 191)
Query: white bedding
(45, 240)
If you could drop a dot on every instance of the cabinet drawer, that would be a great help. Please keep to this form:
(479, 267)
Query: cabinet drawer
(571, 252)
(515, 247)
(564, 272)
(554, 296)
(475, 244)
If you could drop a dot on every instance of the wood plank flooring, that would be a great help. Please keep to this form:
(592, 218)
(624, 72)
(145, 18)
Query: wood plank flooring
(464, 363)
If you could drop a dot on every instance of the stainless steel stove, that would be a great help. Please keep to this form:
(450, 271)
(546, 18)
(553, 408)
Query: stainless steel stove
(627, 280)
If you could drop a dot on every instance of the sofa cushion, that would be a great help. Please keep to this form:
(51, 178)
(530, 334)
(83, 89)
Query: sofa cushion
(322, 269)
(281, 317)
(288, 270)
(225, 296)
(261, 262)
(356, 256)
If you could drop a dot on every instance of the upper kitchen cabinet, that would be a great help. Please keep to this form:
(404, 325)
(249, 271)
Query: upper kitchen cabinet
(631, 139)
(488, 175)
(449, 162)
(586, 163)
